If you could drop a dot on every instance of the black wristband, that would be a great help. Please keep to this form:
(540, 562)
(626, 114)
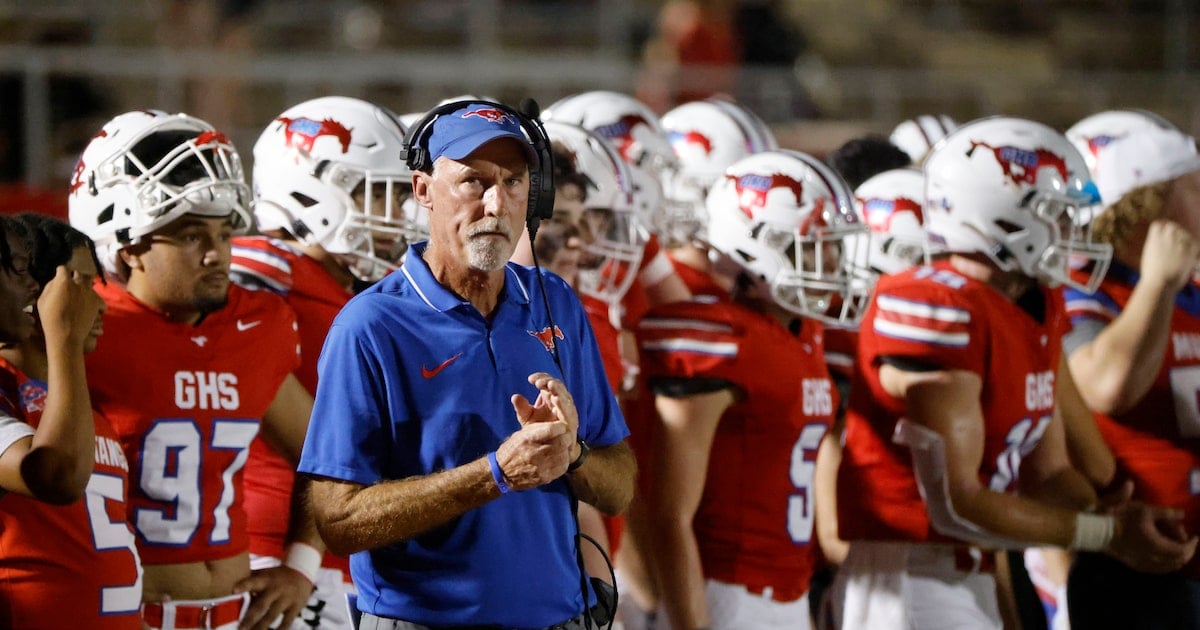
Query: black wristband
(583, 453)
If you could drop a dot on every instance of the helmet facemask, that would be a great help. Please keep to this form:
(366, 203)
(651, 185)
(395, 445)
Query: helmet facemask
(682, 217)
(196, 174)
(381, 223)
(1071, 245)
(821, 278)
(612, 253)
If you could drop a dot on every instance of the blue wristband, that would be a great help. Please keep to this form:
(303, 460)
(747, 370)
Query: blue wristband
(497, 474)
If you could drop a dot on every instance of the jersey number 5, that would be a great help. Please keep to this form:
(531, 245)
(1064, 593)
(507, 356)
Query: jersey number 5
(113, 535)
(803, 470)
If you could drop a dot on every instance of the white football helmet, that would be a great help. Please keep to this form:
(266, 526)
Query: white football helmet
(707, 137)
(145, 169)
(637, 135)
(1018, 192)
(788, 219)
(890, 203)
(613, 236)
(917, 135)
(328, 171)
(1126, 149)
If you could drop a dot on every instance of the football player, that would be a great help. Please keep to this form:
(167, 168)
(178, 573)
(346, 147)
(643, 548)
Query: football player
(1133, 350)
(595, 242)
(330, 193)
(638, 138)
(707, 137)
(888, 203)
(190, 368)
(744, 397)
(960, 389)
(63, 557)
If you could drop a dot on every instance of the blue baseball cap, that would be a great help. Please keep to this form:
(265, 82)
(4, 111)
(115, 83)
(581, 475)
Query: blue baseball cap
(460, 133)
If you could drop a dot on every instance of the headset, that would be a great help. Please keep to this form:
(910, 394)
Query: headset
(541, 178)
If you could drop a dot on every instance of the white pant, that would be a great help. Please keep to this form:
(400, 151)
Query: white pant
(904, 586)
(326, 609)
(732, 607)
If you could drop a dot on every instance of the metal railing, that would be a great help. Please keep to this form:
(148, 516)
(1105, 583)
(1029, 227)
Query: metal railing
(881, 96)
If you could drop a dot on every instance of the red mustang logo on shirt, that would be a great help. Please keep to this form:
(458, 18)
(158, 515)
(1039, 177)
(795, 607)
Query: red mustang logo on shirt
(545, 337)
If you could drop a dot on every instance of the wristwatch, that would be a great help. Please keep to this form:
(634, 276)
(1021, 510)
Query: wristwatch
(583, 453)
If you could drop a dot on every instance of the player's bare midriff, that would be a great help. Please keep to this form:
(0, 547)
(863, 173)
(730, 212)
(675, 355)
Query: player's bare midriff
(194, 580)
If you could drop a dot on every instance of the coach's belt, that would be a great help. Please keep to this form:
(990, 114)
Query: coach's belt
(193, 615)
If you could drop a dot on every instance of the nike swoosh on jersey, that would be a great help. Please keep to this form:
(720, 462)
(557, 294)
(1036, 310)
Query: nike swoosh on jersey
(428, 373)
(244, 326)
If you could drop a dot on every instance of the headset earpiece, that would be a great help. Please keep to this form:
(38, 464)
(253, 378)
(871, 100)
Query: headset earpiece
(541, 178)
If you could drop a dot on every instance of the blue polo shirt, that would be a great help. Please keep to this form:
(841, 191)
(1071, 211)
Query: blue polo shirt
(414, 380)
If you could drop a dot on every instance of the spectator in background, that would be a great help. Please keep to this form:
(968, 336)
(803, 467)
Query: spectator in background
(215, 27)
(75, 560)
(693, 54)
(771, 41)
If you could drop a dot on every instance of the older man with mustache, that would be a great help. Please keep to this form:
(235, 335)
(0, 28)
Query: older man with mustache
(454, 493)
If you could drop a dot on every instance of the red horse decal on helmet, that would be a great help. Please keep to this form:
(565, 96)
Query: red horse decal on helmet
(1022, 165)
(691, 138)
(879, 212)
(77, 176)
(752, 189)
(209, 137)
(303, 132)
(620, 134)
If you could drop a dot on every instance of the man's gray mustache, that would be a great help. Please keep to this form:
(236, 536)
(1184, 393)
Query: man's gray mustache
(498, 226)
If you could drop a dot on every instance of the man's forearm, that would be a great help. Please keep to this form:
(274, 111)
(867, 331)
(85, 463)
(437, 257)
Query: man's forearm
(355, 518)
(606, 479)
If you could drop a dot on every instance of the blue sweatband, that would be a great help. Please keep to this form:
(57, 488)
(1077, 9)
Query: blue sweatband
(497, 474)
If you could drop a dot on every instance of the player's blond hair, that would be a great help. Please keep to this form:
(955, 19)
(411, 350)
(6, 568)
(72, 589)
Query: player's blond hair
(1130, 214)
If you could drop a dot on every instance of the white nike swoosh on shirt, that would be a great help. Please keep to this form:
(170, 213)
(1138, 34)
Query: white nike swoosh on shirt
(244, 326)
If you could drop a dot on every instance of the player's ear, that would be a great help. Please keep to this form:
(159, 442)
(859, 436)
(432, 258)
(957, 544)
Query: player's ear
(130, 259)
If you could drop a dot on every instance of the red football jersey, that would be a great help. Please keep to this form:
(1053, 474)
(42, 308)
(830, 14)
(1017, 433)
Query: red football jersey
(841, 344)
(74, 562)
(1157, 441)
(937, 317)
(653, 267)
(186, 402)
(697, 281)
(316, 297)
(608, 337)
(754, 524)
